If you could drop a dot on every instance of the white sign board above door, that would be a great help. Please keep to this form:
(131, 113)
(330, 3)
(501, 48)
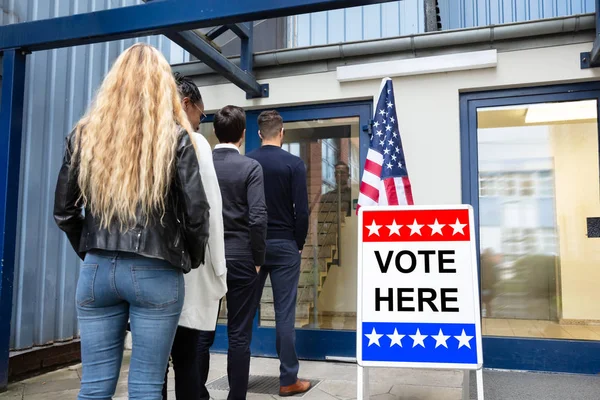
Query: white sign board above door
(418, 288)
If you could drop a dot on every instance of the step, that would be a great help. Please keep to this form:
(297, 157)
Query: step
(306, 279)
(304, 294)
(267, 311)
(323, 251)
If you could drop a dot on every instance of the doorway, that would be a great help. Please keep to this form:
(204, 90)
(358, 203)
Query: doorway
(333, 141)
(531, 171)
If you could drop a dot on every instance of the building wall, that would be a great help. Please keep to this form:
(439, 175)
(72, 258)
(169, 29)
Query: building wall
(407, 17)
(456, 14)
(59, 85)
(428, 111)
(575, 149)
(358, 23)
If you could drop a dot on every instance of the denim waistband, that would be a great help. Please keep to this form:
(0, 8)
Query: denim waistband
(113, 254)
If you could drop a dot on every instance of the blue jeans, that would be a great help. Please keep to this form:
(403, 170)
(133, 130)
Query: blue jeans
(282, 264)
(112, 288)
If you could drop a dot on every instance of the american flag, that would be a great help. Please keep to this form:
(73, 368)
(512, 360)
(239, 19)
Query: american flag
(385, 178)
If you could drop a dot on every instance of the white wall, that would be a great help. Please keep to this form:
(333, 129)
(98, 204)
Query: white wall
(427, 106)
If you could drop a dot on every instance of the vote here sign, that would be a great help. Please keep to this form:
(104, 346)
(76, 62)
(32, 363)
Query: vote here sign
(418, 288)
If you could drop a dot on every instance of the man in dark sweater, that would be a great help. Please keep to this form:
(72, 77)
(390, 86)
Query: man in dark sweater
(245, 222)
(287, 205)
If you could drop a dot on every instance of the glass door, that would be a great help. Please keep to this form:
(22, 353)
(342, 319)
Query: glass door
(332, 141)
(330, 149)
(531, 174)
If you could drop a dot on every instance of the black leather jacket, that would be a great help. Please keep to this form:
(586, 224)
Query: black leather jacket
(180, 237)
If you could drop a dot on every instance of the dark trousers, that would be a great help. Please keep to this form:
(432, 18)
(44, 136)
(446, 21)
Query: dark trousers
(242, 285)
(190, 355)
(282, 264)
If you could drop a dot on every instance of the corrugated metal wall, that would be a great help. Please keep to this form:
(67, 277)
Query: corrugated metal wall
(359, 23)
(458, 14)
(60, 84)
(407, 17)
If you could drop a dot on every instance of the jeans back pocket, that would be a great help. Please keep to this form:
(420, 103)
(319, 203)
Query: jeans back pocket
(85, 285)
(156, 287)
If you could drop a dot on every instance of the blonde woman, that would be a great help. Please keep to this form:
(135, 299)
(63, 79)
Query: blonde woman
(131, 201)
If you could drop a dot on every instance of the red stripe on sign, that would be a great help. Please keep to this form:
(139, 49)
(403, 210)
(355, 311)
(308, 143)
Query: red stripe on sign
(416, 225)
(390, 190)
(369, 191)
(373, 167)
(408, 191)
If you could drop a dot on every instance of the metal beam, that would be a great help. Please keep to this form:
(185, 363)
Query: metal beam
(208, 55)
(216, 32)
(592, 59)
(241, 30)
(11, 120)
(154, 18)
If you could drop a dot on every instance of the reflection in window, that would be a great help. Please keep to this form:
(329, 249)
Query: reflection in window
(538, 181)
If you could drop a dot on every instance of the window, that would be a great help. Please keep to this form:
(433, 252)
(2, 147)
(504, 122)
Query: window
(546, 182)
(329, 152)
(527, 185)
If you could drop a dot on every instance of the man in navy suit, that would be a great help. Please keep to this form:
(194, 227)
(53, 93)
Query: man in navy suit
(245, 222)
(287, 203)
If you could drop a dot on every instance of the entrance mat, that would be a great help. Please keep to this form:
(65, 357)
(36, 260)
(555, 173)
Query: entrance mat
(257, 384)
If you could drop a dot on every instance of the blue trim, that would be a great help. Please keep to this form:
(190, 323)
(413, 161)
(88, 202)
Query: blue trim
(574, 356)
(11, 120)
(156, 17)
(310, 344)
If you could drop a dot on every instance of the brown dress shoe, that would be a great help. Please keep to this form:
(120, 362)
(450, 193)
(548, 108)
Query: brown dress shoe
(296, 388)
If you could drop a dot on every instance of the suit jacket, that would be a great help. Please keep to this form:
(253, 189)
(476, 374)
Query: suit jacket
(244, 207)
(205, 286)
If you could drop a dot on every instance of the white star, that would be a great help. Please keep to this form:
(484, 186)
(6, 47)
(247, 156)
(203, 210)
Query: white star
(376, 124)
(390, 105)
(387, 113)
(393, 120)
(415, 228)
(373, 338)
(458, 227)
(389, 165)
(384, 121)
(379, 133)
(386, 151)
(381, 112)
(389, 91)
(436, 227)
(388, 128)
(394, 228)
(463, 340)
(394, 157)
(395, 135)
(396, 338)
(382, 142)
(374, 228)
(400, 165)
(440, 339)
(391, 142)
(418, 339)
(397, 149)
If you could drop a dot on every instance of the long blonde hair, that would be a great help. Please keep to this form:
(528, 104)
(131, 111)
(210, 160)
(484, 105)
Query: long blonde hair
(126, 143)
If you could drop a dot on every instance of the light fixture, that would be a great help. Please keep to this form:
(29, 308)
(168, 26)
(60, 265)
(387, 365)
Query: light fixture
(418, 66)
(566, 111)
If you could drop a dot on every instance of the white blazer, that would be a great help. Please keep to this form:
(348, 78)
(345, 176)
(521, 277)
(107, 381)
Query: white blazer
(206, 285)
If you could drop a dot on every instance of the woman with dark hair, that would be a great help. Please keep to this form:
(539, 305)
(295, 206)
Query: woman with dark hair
(206, 285)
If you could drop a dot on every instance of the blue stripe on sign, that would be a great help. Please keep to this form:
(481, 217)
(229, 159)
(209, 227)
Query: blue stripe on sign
(421, 343)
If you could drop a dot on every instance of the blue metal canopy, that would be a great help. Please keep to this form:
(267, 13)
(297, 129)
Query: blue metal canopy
(591, 59)
(174, 18)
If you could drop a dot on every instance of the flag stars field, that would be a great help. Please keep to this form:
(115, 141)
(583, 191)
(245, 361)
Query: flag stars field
(419, 339)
